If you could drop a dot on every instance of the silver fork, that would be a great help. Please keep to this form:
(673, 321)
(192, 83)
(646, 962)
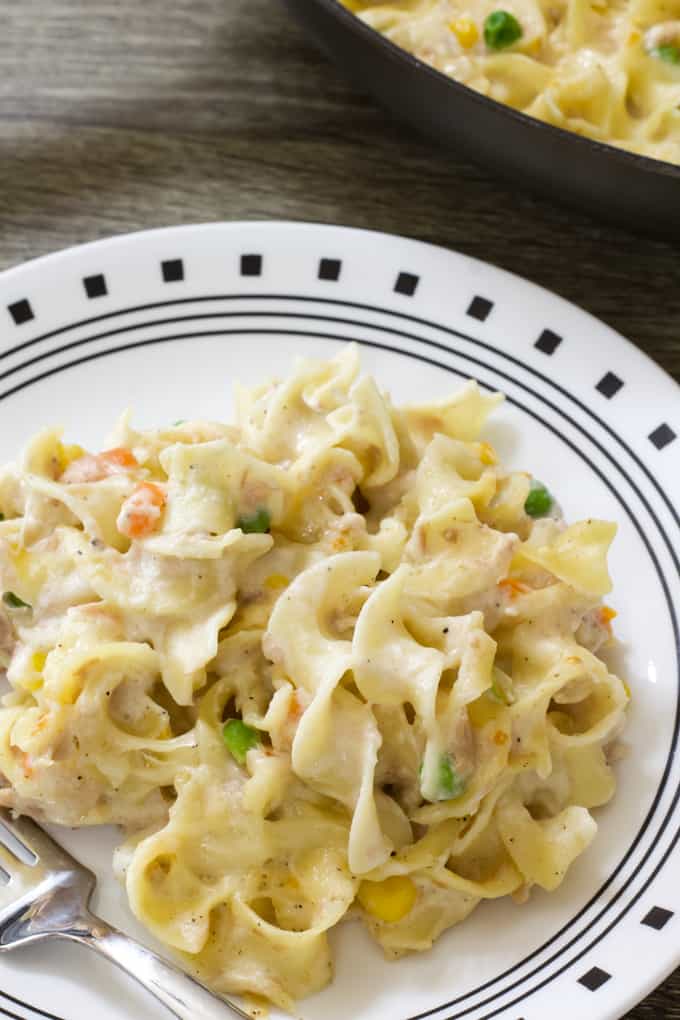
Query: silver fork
(46, 892)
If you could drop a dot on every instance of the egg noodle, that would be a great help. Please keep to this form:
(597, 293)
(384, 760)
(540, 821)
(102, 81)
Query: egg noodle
(606, 69)
(329, 661)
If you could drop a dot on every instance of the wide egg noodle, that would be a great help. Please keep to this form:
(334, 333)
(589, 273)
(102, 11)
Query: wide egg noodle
(339, 672)
(335, 719)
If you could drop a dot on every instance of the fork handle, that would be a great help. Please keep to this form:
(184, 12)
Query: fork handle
(185, 997)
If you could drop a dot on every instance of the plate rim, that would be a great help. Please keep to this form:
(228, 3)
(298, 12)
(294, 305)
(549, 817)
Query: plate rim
(114, 240)
(512, 279)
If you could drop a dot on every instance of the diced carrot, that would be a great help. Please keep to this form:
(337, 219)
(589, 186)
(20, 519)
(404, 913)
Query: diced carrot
(26, 762)
(500, 737)
(605, 615)
(137, 525)
(92, 468)
(512, 587)
(155, 493)
(296, 708)
(41, 724)
(120, 456)
(141, 512)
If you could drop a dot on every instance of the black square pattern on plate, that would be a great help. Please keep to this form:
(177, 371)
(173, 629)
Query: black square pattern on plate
(251, 265)
(173, 270)
(21, 312)
(406, 284)
(662, 436)
(480, 308)
(329, 269)
(548, 342)
(95, 286)
(594, 979)
(657, 918)
(609, 385)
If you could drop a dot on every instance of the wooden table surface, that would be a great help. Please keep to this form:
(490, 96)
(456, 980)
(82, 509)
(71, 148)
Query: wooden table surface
(120, 115)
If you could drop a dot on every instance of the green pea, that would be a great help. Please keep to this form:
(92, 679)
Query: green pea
(500, 690)
(539, 501)
(449, 783)
(239, 739)
(501, 29)
(13, 601)
(669, 54)
(258, 523)
(497, 694)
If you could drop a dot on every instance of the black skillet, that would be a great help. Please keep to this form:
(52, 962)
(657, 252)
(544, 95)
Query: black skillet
(633, 191)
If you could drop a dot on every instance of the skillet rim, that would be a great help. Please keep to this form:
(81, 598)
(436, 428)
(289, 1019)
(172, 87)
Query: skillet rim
(600, 150)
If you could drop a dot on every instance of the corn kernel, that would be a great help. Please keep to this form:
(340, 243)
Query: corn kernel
(513, 587)
(21, 561)
(465, 31)
(487, 454)
(38, 660)
(275, 582)
(607, 614)
(389, 900)
(30, 682)
(67, 454)
(634, 38)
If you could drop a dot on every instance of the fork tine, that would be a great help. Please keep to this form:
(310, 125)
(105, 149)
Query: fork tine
(15, 846)
(35, 840)
(9, 862)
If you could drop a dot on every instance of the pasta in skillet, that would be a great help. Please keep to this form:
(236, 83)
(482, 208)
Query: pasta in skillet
(606, 69)
(333, 660)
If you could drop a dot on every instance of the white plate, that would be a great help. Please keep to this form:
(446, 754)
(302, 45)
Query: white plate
(164, 322)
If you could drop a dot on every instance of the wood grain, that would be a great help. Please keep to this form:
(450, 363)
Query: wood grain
(116, 116)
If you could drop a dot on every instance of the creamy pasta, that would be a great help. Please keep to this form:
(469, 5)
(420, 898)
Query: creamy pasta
(606, 69)
(330, 661)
